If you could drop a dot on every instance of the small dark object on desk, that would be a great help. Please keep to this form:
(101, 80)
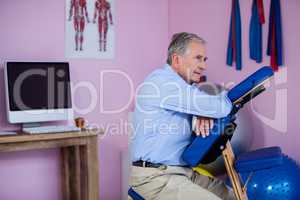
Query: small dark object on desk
(79, 122)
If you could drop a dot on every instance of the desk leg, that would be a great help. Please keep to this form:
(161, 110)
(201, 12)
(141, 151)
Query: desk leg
(83, 172)
(92, 169)
(65, 174)
(71, 173)
(80, 174)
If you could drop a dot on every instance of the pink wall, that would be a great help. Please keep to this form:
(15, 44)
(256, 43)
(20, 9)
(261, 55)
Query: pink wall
(210, 19)
(34, 30)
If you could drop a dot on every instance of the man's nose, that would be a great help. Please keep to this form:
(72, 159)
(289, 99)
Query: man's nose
(203, 66)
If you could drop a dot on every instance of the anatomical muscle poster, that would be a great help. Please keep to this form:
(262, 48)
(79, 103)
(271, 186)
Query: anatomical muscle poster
(89, 29)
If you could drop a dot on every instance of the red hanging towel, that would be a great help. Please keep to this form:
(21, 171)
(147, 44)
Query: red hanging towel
(274, 49)
(275, 36)
(234, 48)
(260, 6)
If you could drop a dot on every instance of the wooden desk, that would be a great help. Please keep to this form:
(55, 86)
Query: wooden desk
(79, 154)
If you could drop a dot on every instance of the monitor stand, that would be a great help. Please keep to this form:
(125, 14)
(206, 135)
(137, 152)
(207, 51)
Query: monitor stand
(30, 125)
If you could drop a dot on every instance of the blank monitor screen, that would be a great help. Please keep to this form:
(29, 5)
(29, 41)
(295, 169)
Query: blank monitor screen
(38, 85)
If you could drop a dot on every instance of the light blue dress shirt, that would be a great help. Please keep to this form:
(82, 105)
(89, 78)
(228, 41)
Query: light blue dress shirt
(165, 104)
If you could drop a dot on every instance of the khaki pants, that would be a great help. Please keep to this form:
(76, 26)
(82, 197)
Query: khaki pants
(177, 183)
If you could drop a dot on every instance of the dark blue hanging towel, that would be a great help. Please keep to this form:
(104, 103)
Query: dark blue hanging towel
(234, 49)
(255, 31)
(275, 35)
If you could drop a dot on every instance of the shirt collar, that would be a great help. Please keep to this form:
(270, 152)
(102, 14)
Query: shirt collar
(172, 71)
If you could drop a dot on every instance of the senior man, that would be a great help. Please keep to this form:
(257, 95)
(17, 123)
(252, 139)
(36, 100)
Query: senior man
(166, 102)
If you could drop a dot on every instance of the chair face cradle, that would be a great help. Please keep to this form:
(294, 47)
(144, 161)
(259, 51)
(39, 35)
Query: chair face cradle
(240, 95)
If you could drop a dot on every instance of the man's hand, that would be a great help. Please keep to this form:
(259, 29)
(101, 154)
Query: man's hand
(203, 126)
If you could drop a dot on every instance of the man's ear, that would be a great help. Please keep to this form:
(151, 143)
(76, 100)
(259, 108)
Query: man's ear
(176, 60)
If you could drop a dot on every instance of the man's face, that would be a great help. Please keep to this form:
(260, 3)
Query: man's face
(191, 65)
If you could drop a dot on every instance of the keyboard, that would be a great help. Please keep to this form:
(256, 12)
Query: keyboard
(50, 129)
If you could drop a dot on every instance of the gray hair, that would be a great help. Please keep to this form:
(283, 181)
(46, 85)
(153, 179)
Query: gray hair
(180, 42)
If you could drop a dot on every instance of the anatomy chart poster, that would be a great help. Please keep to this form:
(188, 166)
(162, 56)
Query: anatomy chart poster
(89, 29)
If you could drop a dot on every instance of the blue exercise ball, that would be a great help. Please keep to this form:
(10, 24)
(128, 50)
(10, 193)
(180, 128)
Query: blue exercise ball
(281, 182)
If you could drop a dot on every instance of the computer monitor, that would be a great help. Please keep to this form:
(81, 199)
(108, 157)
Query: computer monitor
(37, 91)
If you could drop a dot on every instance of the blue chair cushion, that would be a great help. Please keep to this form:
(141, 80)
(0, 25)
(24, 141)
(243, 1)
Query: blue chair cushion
(259, 159)
(250, 82)
(199, 146)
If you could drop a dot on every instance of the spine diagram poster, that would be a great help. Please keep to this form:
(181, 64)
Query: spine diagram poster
(89, 29)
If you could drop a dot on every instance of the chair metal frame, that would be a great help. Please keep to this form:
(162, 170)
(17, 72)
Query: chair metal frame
(239, 189)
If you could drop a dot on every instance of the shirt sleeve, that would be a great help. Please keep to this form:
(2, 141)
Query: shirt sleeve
(190, 99)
